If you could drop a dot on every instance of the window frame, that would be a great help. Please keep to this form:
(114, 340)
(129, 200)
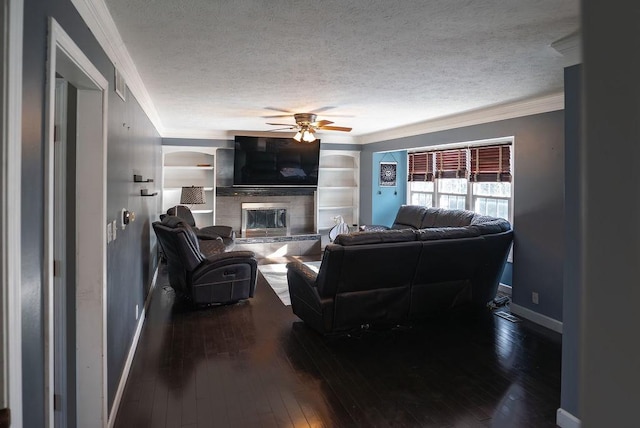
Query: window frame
(470, 196)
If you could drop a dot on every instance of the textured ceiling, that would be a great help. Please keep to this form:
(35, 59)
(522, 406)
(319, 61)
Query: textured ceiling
(213, 66)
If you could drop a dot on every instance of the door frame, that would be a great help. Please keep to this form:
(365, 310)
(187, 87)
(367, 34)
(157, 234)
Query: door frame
(66, 58)
(10, 209)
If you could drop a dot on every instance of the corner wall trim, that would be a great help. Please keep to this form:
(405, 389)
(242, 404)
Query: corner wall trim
(537, 318)
(131, 354)
(565, 419)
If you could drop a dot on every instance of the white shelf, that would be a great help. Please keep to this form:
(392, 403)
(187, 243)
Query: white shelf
(185, 166)
(338, 189)
(180, 167)
(338, 168)
(206, 189)
(338, 207)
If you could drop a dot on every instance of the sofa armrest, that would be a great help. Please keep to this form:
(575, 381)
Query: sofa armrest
(373, 228)
(306, 302)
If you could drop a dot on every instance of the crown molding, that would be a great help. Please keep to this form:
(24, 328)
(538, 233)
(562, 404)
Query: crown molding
(495, 113)
(97, 17)
(195, 134)
(570, 47)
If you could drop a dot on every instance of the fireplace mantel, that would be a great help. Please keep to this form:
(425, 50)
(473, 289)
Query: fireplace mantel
(265, 191)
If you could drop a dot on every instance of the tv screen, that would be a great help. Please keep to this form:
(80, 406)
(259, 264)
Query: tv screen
(260, 161)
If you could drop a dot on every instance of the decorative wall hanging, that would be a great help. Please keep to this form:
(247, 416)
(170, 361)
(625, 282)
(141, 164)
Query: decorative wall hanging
(388, 174)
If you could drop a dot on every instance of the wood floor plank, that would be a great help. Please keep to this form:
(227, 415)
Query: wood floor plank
(254, 364)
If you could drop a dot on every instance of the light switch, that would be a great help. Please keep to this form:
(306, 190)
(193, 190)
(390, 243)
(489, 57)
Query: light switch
(109, 233)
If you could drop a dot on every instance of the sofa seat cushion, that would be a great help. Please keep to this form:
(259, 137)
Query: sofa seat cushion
(363, 238)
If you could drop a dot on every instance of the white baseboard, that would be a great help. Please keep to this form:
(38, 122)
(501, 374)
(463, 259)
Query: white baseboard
(565, 419)
(505, 289)
(537, 318)
(132, 352)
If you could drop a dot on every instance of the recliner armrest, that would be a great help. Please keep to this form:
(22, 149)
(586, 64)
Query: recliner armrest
(230, 255)
(222, 231)
(305, 273)
(216, 261)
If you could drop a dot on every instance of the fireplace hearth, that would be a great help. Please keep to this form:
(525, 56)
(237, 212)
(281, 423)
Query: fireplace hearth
(265, 219)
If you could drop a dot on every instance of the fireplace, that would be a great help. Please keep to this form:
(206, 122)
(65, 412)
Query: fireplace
(265, 219)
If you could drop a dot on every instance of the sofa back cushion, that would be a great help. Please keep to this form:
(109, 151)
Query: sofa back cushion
(378, 237)
(409, 217)
(452, 218)
(358, 268)
(445, 275)
(369, 283)
(434, 233)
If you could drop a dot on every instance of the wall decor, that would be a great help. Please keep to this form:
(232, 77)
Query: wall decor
(388, 174)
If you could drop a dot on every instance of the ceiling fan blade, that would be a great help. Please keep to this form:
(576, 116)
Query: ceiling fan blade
(276, 116)
(322, 123)
(321, 109)
(335, 128)
(281, 129)
(279, 109)
(283, 124)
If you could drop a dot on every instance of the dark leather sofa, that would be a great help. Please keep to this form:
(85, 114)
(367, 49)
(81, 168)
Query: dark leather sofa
(430, 261)
(200, 269)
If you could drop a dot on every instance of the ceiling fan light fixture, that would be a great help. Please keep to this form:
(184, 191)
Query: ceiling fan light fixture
(298, 136)
(307, 135)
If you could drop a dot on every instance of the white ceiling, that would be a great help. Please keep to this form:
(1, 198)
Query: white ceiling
(214, 66)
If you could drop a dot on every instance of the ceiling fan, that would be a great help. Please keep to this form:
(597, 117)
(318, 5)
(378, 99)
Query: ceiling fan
(306, 125)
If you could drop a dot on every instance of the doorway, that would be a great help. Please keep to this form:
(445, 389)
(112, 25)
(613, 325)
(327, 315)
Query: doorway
(11, 24)
(75, 249)
(64, 238)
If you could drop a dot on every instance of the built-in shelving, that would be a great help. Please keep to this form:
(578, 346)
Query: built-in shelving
(184, 166)
(338, 189)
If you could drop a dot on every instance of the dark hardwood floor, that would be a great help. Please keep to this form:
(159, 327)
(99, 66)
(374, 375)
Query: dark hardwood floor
(255, 364)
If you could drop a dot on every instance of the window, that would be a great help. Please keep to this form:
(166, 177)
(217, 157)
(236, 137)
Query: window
(422, 193)
(475, 178)
(452, 193)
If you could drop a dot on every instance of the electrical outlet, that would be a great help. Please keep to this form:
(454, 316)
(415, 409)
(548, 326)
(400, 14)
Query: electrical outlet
(114, 228)
(109, 233)
(137, 312)
(534, 298)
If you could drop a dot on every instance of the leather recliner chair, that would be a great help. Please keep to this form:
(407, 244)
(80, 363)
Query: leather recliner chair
(225, 232)
(213, 277)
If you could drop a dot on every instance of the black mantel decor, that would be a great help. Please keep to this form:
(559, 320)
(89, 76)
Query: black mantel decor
(265, 191)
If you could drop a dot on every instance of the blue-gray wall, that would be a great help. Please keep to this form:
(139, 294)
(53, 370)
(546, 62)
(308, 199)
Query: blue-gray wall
(131, 149)
(573, 252)
(387, 200)
(134, 147)
(538, 198)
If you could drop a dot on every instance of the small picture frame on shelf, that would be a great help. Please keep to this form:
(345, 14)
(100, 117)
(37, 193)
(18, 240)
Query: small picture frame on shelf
(388, 174)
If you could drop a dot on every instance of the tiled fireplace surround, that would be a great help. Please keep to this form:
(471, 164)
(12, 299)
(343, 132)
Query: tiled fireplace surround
(300, 204)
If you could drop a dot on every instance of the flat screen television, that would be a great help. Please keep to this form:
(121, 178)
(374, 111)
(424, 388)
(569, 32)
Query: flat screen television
(263, 162)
